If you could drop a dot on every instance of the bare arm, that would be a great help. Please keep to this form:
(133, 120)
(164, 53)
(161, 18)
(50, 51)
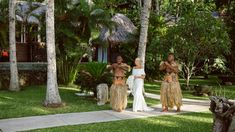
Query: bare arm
(111, 67)
(174, 68)
(142, 76)
(162, 67)
(126, 67)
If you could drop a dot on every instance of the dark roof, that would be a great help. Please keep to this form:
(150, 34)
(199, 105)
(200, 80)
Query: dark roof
(124, 31)
(28, 11)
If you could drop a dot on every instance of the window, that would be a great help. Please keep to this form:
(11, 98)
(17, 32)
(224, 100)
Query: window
(102, 54)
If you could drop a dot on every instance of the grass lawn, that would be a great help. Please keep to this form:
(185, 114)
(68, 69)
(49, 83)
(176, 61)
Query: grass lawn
(28, 102)
(228, 91)
(189, 122)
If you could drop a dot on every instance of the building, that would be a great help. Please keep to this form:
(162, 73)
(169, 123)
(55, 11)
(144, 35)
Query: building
(106, 46)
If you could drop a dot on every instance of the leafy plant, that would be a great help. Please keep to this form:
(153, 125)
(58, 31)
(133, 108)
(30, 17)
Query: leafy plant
(4, 80)
(154, 56)
(69, 59)
(220, 65)
(92, 74)
(216, 65)
(4, 23)
(67, 71)
(78, 23)
(205, 37)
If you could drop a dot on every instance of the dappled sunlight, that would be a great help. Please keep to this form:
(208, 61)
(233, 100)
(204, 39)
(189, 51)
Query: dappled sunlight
(39, 110)
(157, 91)
(190, 122)
(5, 97)
(222, 90)
(165, 123)
(2, 103)
(151, 84)
(55, 56)
(70, 88)
(199, 117)
(194, 81)
(28, 102)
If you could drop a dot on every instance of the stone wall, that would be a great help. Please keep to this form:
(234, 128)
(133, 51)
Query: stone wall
(26, 78)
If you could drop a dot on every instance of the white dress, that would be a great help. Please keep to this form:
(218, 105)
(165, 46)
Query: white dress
(139, 103)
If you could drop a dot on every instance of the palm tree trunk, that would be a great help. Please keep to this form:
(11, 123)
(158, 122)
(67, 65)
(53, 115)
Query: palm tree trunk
(14, 83)
(157, 2)
(139, 2)
(52, 94)
(144, 30)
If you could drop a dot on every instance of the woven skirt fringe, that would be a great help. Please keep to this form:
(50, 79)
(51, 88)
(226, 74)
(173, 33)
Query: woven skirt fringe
(118, 97)
(171, 94)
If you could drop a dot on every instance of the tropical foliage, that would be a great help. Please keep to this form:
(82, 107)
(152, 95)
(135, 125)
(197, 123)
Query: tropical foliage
(92, 74)
(69, 64)
(3, 23)
(197, 43)
(78, 22)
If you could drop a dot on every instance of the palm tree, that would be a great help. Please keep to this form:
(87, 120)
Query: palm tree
(144, 18)
(14, 83)
(52, 94)
(4, 24)
(78, 23)
(157, 6)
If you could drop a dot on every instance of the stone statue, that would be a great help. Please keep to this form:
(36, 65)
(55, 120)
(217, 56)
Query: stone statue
(102, 94)
(223, 111)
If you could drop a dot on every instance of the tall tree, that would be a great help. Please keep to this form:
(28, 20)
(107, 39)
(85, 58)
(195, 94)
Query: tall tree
(14, 83)
(157, 4)
(144, 19)
(52, 94)
(197, 44)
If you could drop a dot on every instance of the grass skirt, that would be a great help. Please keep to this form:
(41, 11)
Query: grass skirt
(118, 97)
(171, 94)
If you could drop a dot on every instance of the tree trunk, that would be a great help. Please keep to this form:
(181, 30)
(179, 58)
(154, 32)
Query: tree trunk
(144, 30)
(139, 3)
(157, 7)
(52, 94)
(206, 76)
(177, 9)
(14, 83)
(187, 80)
(187, 74)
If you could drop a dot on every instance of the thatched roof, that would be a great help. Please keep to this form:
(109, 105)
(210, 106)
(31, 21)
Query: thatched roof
(28, 11)
(123, 31)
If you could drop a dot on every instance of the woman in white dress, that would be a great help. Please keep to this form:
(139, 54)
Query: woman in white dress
(139, 103)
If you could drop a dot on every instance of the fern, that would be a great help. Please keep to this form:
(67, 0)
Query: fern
(92, 74)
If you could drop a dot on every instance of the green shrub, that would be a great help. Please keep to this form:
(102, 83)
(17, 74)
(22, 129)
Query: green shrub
(92, 74)
(203, 90)
(67, 72)
(4, 80)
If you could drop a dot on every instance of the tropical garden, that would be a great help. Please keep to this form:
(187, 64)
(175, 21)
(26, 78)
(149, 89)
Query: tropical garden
(58, 52)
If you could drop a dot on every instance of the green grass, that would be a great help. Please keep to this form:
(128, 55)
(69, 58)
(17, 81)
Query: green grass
(227, 91)
(149, 101)
(189, 122)
(28, 102)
